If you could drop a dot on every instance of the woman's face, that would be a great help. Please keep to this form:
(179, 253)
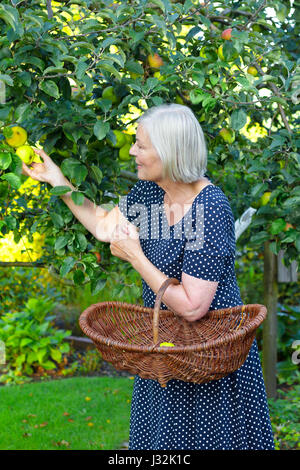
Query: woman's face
(149, 165)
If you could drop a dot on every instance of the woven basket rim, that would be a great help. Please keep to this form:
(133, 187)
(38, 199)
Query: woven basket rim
(236, 335)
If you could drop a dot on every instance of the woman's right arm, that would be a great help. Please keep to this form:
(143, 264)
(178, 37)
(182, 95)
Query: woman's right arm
(98, 221)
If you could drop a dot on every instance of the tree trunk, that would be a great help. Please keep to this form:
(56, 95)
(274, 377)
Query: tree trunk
(269, 347)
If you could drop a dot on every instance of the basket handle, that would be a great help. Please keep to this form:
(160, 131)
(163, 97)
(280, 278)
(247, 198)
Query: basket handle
(158, 299)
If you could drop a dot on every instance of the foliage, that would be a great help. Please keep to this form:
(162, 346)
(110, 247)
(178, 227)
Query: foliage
(284, 413)
(56, 63)
(31, 342)
(80, 413)
(18, 284)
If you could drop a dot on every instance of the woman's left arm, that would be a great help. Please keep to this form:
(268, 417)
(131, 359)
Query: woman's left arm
(191, 299)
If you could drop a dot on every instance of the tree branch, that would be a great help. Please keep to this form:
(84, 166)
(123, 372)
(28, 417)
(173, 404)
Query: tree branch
(49, 10)
(276, 92)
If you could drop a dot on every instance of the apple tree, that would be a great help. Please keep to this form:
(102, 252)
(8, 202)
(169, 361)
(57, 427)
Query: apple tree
(77, 74)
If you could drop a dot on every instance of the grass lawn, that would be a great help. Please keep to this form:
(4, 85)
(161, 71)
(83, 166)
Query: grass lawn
(76, 413)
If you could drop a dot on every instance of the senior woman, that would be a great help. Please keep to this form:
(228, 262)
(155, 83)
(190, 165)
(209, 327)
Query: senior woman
(176, 223)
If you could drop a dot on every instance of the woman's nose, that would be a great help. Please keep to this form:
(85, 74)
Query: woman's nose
(132, 150)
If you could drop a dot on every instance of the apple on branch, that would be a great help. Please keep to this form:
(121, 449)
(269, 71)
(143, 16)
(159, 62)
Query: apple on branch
(226, 34)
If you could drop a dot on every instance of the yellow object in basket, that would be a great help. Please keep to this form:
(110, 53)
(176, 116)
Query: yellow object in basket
(170, 345)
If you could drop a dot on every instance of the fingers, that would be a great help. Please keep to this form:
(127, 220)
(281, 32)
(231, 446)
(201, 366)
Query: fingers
(28, 172)
(41, 153)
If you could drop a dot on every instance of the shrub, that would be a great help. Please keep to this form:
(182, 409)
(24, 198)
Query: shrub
(32, 343)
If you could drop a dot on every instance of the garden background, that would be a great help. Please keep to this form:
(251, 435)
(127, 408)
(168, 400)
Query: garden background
(76, 75)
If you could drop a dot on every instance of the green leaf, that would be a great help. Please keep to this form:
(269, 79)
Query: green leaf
(77, 197)
(97, 173)
(60, 190)
(81, 68)
(56, 355)
(101, 129)
(105, 65)
(25, 341)
(258, 189)
(11, 17)
(160, 4)
(5, 160)
(74, 169)
(81, 240)
(97, 285)
(260, 237)
(134, 67)
(48, 365)
(50, 87)
(12, 179)
(78, 277)
(72, 132)
(10, 222)
(41, 353)
(7, 79)
(61, 242)
(55, 70)
(291, 202)
(31, 357)
(238, 119)
(67, 265)
(20, 360)
(57, 220)
(277, 226)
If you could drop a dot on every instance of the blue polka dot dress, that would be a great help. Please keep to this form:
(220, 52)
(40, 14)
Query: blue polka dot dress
(226, 414)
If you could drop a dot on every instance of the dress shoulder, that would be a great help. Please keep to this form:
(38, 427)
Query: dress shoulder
(134, 204)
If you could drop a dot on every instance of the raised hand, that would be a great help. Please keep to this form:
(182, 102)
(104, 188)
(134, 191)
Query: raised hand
(46, 171)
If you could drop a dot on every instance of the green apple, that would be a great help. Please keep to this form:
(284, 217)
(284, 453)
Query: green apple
(129, 138)
(228, 135)
(109, 94)
(26, 154)
(124, 153)
(120, 140)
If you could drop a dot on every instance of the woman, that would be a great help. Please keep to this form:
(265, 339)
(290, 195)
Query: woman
(176, 223)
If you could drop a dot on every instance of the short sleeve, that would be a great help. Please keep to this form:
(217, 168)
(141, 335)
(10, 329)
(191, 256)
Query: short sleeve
(207, 259)
(132, 205)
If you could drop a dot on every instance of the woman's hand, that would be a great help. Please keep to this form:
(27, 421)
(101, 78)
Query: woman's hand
(47, 171)
(125, 243)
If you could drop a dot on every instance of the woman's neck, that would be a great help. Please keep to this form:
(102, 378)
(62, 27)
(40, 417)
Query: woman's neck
(182, 193)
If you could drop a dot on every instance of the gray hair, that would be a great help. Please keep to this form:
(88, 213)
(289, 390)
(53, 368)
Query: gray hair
(179, 141)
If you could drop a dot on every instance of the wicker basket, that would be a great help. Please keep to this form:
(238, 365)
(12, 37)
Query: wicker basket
(129, 337)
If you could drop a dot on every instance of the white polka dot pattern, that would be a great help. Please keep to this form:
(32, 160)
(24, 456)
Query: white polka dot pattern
(230, 413)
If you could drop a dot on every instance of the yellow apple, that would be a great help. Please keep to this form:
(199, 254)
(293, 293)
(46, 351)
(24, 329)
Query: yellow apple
(228, 135)
(281, 164)
(155, 61)
(18, 137)
(159, 76)
(220, 53)
(252, 71)
(265, 198)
